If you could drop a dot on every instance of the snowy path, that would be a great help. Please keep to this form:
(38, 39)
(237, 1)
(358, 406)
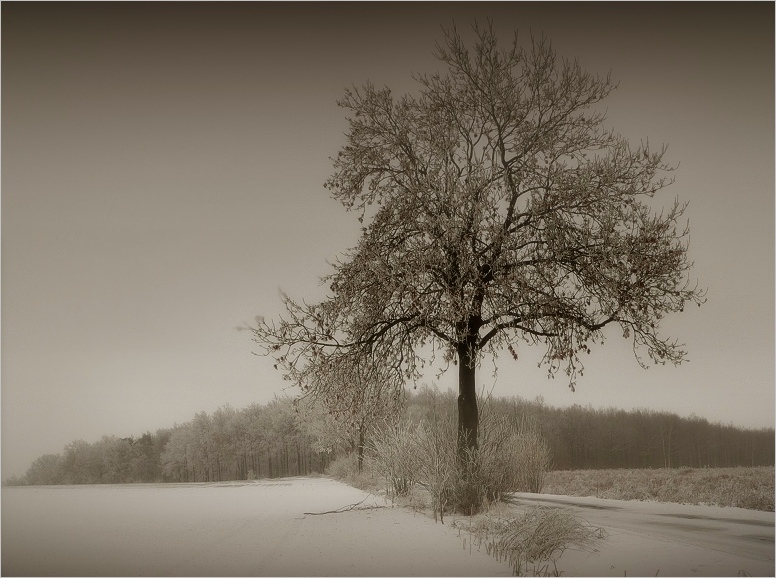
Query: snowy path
(231, 529)
(673, 539)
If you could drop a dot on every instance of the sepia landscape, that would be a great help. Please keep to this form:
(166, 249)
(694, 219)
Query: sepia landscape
(326, 289)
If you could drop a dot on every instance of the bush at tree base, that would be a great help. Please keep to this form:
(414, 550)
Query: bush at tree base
(511, 458)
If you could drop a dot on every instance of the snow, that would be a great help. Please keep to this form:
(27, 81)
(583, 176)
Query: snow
(230, 529)
(260, 528)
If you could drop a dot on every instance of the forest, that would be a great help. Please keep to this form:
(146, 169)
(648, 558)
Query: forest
(288, 438)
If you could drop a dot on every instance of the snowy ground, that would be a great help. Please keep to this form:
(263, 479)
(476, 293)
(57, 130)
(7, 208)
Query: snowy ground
(260, 528)
(257, 529)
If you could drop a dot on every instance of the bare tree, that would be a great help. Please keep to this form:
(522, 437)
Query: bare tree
(499, 211)
(357, 391)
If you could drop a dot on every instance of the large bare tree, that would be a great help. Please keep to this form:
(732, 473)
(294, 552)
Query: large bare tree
(499, 210)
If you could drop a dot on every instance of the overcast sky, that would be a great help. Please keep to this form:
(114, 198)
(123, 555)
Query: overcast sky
(162, 175)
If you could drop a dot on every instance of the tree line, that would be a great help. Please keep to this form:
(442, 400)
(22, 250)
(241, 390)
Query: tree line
(258, 441)
(269, 440)
(288, 438)
(588, 438)
(111, 460)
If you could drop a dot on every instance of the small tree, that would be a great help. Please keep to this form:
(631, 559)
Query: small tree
(500, 211)
(357, 392)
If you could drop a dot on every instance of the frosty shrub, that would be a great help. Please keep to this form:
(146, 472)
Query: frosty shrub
(435, 460)
(512, 458)
(393, 450)
(343, 467)
(533, 457)
(498, 464)
(529, 543)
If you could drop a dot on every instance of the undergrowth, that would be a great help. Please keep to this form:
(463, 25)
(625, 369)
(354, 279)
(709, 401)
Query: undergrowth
(531, 543)
(511, 457)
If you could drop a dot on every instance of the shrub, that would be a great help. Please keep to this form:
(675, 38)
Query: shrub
(533, 457)
(392, 449)
(343, 467)
(513, 458)
(498, 464)
(434, 456)
(538, 537)
(510, 458)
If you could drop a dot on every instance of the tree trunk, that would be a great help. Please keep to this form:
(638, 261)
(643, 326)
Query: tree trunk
(468, 493)
(468, 416)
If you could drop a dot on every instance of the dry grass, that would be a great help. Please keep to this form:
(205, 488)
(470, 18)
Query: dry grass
(751, 488)
(533, 542)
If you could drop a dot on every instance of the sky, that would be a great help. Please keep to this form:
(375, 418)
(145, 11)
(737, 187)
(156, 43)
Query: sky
(162, 182)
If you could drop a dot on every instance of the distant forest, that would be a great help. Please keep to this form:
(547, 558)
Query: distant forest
(280, 439)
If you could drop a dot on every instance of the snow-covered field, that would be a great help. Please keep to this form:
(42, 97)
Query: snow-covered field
(261, 529)
(230, 529)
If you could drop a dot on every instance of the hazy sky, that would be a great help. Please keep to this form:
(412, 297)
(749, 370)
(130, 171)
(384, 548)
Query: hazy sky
(162, 175)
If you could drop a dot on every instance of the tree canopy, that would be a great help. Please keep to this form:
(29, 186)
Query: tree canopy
(499, 210)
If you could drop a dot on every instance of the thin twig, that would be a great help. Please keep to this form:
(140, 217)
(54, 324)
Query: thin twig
(347, 508)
